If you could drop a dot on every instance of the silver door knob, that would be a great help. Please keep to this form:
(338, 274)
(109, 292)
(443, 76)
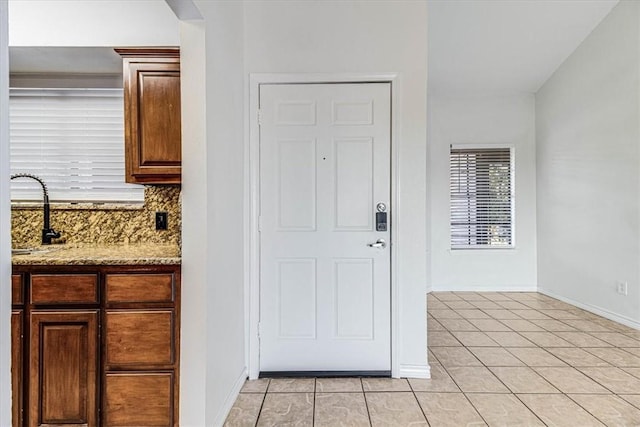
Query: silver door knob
(380, 243)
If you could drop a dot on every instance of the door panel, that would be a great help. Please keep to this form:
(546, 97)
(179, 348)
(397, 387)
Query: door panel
(63, 368)
(324, 166)
(354, 291)
(352, 113)
(297, 298)
(354, 184)
(159, 104)
(297, 185)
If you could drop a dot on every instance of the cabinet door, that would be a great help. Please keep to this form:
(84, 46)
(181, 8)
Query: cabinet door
(16, 367)
(152, 118)
(63, 368)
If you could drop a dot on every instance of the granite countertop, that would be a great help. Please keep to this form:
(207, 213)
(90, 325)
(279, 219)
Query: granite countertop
(87, 254)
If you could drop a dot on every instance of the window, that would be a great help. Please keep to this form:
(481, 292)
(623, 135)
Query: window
(481, 197)
(74, 140)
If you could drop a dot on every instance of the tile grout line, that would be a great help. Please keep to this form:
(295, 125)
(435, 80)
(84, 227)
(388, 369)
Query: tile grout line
(632, 404)
(418, 402)
(596, 381)
(264, 397)
(474, 408)
(586, 410)
(366, 404)
(313, 413)
(530, 409)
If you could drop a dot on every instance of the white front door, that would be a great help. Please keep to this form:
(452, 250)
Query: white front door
(324, 169)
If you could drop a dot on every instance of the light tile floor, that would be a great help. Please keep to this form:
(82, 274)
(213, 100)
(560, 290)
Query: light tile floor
(497, 359)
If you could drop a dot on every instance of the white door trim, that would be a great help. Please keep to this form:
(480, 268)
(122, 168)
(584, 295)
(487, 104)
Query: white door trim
(252, 203)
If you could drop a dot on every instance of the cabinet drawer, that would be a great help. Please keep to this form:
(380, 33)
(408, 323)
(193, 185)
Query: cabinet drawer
(17, 290)
(140, 288)
(64, 288)
(139, 337)
(138, 399)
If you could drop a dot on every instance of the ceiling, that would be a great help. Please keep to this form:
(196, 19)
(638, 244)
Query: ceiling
(482, 46)
(475, 46)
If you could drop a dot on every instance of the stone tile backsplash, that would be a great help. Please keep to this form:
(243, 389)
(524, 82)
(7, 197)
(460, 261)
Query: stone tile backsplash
(110, 224)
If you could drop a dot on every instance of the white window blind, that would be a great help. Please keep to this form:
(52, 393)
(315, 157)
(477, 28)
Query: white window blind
(481, 197)
(74, 140)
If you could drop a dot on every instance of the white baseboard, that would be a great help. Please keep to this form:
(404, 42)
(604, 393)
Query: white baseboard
(483, 288)
(414, 371)
(594, 309)
(231, 398)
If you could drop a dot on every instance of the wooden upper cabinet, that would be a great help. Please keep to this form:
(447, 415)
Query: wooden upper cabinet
(152, 115)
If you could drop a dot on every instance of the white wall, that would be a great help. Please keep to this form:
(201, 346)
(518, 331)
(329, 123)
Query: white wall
(220, 94)
(195, 227)
(5, 227)
(361, 37)
(498, 119)
(109, 23)
(588, 156)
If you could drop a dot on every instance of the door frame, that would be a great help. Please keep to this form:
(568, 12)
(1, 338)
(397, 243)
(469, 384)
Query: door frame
(252, 202)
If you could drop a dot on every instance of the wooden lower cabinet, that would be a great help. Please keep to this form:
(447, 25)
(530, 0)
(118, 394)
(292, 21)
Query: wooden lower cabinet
(141, 336)
(17, 353)
(102, 351)
(63, 368)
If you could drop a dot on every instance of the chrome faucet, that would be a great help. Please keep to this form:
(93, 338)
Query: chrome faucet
(48, 233)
